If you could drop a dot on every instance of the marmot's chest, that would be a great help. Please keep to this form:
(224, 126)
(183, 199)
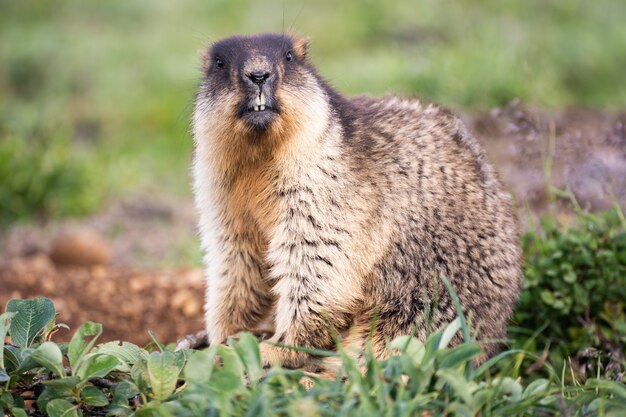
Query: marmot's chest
(268, 192)
(253, 198)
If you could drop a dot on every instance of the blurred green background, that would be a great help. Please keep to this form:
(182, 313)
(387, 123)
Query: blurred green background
(96, 96)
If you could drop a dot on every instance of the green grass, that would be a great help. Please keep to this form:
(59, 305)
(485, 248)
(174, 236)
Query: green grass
(116, 78)
(421, 378)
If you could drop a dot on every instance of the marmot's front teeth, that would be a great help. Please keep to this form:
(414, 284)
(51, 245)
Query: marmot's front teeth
(260, 102)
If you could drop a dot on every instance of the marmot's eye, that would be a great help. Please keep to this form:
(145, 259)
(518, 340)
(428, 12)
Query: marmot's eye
(219, 63)
(289, 56)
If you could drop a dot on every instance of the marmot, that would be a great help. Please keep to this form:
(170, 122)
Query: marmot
(329, 213)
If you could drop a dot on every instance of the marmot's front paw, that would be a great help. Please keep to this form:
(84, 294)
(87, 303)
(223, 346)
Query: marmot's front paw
(274, 355)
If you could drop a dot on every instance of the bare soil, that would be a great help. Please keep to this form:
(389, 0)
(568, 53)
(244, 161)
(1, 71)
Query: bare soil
(579, 150)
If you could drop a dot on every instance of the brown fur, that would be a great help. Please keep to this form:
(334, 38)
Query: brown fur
(325, 212)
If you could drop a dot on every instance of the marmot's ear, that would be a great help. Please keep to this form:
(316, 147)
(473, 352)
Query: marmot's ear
(204, 59)
(301, 46)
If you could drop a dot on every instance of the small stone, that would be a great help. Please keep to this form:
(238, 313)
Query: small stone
(98, 272)
(48, 286)
(192, 308)
(80, 247)
(138, 284)
(179, 299)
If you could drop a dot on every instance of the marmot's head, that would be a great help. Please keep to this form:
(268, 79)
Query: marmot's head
(259, 87)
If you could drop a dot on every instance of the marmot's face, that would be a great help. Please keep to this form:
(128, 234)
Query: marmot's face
(258, 85)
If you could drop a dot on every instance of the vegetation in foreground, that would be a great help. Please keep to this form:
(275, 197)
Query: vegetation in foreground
(120, 379)
(573, 297)
(575, 293)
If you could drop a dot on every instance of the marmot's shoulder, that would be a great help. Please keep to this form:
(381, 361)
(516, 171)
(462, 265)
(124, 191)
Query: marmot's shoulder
(399, 118)
(400, 112)
(396, 125)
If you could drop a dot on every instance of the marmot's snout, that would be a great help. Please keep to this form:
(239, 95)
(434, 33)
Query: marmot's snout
(259, 79)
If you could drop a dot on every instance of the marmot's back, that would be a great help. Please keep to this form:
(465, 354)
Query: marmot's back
(449, 210)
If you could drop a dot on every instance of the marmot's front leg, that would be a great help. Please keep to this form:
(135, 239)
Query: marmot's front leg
(316, 284)
(238, 295)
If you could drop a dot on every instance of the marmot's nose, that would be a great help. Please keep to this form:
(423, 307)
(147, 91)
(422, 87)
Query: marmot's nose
(259, 77)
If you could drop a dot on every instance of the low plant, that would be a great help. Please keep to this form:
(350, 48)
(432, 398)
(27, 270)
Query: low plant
(41, 178)
(422, 378)
(575, 288)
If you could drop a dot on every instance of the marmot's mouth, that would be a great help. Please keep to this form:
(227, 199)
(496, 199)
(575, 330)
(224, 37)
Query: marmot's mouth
(259, 104)
(259, 111)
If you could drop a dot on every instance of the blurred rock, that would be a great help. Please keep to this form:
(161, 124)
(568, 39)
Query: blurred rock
(187, 302)
(80, 247)
(599, 181)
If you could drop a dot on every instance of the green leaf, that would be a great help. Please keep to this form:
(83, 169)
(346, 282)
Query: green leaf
(119, 411)
(460, 355)
(459, 310)
(62, 386)
(78, 347)
(570, 277)
(127, 353)
(488, 364)
(50, 357)
(181, 358)
(229, 377)
(152, 410)
(225, 382)
(508, 386)
(23, 355)
(96, 365)
(458, 384)
(11, 357)
(94, 396)
(62, 408)
(538, 386)
(200, 366)
(5, 323)
(139, 376)
(547, 297)
(158, 344)
(123, 391)
(410, 346)
(163, 374)
(247, 348)
(4, 377)
(19, 412)
(57, 388)
(6, 399)
(31, 317)
(18, 402)
(614, 387)
(449, 331)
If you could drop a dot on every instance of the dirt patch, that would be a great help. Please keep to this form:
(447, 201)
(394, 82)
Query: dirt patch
(584, 149)
(128, 301)
(579, 150)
